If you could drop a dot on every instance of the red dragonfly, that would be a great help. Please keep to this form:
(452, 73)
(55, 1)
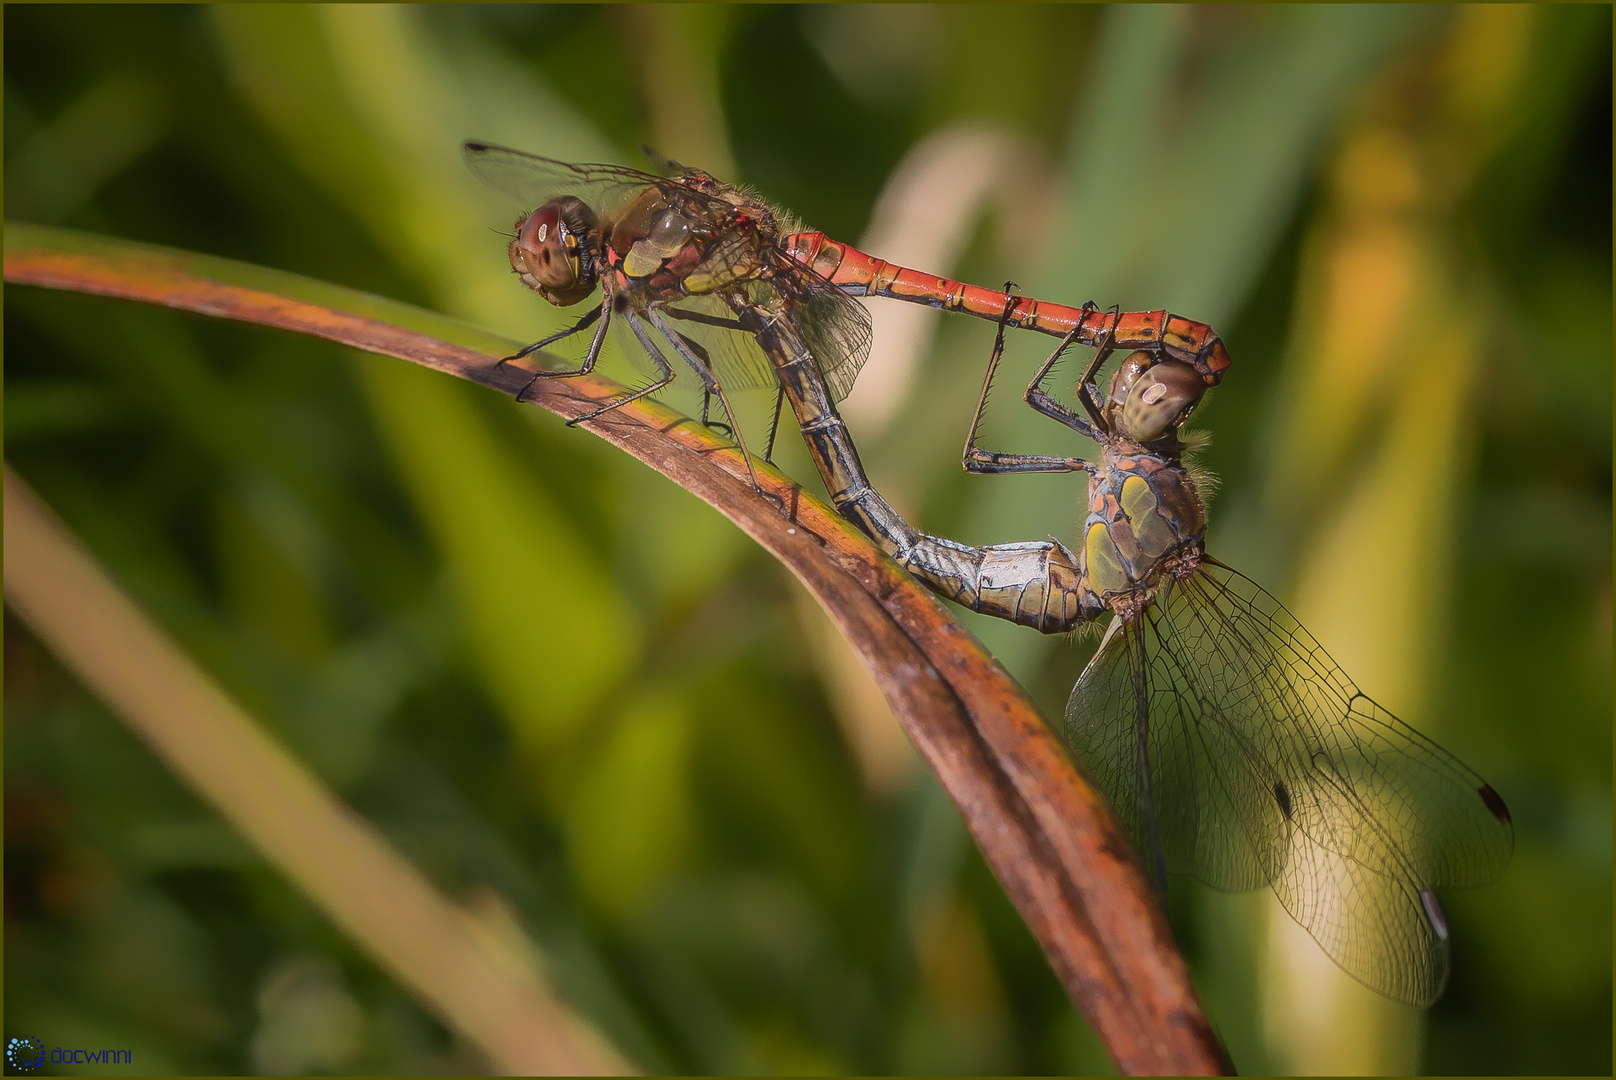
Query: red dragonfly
(691, 250)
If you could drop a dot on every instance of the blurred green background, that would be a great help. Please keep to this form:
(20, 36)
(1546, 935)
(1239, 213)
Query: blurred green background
(561, 685)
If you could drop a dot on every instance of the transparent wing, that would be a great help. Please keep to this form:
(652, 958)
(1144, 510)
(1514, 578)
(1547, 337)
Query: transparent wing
(731, 354)
(607, 189)
(836, 329)
(834, 326)
(1267, 766)
(534, 180)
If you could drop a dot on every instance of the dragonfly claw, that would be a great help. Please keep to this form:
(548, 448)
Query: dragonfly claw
(778, 502)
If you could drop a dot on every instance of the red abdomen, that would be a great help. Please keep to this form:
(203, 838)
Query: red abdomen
(1183, 339)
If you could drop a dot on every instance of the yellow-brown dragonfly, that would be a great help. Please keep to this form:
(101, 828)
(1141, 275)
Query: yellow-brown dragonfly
(1231, 745)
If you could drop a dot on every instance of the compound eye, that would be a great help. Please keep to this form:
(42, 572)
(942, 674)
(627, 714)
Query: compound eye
(1127, 374)
(1160, 399)
(542, 252)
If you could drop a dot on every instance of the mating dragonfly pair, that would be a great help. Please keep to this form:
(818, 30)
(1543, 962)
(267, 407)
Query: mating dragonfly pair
(1230, 744)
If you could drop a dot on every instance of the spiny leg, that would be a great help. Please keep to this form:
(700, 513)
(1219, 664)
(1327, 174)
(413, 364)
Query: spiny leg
(706, 320)
(703, 318)
(741, 443)
(774, 425)
(583, 323)
(1087, 392)
(977, 460)
(700, 365)
(707, 397)
(663, 367)
(1040, 400)
(604, 314)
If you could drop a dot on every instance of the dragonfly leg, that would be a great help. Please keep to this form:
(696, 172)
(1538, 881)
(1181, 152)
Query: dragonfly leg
(1040, 400)
(977, 460)
(581, 324)
(703, 318)
(740, 443)
(774, 425)
(664, 370)
(604, 314)
(706, 419)
(696, 356)
(1087, 391)
(732, 324)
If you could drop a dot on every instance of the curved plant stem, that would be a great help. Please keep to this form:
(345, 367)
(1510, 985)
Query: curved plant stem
(1046, 832)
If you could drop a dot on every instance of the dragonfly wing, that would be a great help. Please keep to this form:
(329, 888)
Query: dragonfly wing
(607, 189)
(837, 331)
(1448, 822)
(1271, 767)
(1169, 800)
(534, 180)
(835, 327)
(838, 338)
(733, 355)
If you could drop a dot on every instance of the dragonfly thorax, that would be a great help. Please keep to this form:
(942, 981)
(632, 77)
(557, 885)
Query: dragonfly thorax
(664, 247)
(1145, 527)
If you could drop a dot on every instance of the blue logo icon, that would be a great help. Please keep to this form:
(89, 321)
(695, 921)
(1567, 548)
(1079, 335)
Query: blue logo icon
(25, 1054)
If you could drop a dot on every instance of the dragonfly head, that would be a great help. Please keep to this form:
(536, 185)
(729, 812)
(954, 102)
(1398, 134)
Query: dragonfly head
(1149, 400)
(547, 251)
